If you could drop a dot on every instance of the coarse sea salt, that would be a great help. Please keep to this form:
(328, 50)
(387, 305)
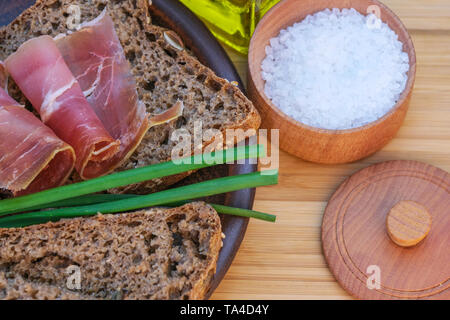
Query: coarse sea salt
(335, 69)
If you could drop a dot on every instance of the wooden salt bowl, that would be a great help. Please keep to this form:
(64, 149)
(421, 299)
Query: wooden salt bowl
(315, 144)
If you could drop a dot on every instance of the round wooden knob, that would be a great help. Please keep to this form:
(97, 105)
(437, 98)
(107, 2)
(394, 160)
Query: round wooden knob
(408, 223)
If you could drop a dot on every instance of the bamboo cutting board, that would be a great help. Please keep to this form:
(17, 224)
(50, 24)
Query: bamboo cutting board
(285, 260)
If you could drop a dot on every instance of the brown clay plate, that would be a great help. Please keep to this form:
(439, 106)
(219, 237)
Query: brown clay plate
(172, 14)
(356, 244)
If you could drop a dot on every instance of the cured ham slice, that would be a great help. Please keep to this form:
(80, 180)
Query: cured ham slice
(32, 157)
(170, 114)
(97, 60)
(41, 73)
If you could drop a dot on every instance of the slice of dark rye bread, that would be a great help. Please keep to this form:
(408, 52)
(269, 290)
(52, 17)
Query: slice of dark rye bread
(153, 254)
(163, 75)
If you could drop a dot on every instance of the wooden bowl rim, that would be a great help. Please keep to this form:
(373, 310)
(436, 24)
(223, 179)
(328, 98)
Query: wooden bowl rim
(404, 95)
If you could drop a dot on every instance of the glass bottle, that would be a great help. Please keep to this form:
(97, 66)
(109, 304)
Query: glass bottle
(231, 21)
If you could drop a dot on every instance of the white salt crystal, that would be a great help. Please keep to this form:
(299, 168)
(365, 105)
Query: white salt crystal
(335, 69)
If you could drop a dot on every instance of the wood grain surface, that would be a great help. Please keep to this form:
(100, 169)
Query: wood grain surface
(284, 260)
(408, 223)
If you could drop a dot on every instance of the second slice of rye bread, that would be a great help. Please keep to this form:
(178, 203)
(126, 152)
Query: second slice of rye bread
(163, 75)
(153, 254)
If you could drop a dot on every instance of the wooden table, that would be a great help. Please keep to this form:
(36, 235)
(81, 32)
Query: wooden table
(284, 260)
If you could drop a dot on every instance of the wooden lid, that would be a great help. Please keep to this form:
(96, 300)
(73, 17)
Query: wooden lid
(385, 232)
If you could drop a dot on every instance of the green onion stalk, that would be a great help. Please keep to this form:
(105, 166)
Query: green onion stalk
(123, 178)
(166, 197)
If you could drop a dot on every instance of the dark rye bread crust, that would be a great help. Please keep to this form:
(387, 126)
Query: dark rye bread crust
(153, 254)
(163, 75)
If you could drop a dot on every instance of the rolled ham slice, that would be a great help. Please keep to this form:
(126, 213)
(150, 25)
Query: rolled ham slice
(41, 73)
(97, 60)
(32, 157)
